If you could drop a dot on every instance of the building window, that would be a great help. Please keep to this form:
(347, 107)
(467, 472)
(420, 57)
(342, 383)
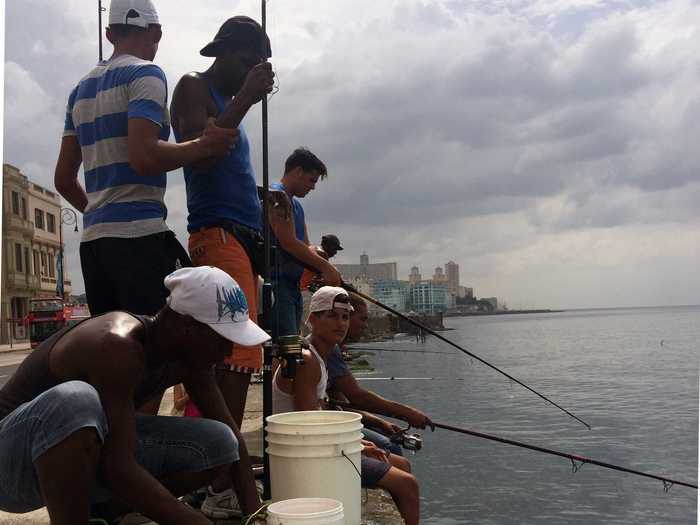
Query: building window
(52, 270)
(24, 208)
(15, 203)
(18, 258)
(26, 261)
(37, 264)
(44, 263)
(18, 310)
(39, 218)
(50, 223)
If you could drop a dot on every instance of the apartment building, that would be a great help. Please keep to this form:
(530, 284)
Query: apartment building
(31, 243)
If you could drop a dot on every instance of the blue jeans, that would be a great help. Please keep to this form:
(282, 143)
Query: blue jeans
(165, 445)
(288, 307)
(382, 441)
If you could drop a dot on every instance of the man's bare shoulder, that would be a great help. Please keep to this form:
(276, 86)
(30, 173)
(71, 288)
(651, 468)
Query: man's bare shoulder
(311, 367)
(191, 85)
(100, 341)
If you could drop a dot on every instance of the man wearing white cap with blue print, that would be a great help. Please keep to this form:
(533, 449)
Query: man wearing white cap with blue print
(70, 437)
(117, 127)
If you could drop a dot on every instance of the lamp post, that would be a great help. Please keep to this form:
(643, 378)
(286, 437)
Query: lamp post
(69, 217)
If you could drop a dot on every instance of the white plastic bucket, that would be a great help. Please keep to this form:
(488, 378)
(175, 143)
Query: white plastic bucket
(316, 454)
(306, 511)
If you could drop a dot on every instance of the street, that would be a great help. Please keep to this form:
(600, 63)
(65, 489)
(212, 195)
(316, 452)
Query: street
(9, 361)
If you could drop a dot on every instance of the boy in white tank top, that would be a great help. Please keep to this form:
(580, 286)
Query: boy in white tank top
(329, 318)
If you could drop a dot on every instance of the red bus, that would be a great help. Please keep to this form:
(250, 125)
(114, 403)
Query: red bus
(48, 315)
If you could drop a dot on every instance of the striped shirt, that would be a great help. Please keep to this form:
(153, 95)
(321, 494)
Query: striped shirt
(120, 202)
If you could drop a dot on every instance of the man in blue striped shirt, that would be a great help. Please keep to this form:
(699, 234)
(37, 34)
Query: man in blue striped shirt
(117, 127)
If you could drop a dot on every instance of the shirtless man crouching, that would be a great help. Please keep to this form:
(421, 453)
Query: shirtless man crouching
(70, 438)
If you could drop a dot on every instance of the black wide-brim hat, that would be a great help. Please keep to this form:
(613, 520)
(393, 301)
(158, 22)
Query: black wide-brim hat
(238, 32)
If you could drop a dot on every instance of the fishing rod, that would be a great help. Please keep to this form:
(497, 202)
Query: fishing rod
(461, 349)
(269, 347)
(100, 9)
(577, 461)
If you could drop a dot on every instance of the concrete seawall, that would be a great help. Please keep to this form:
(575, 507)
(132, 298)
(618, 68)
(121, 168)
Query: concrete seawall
(378, 507)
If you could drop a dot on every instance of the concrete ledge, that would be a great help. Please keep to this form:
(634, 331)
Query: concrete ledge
(377, 509)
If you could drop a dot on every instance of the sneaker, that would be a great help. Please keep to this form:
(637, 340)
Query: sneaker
(195, 499)
(224, 505)
(221, 505)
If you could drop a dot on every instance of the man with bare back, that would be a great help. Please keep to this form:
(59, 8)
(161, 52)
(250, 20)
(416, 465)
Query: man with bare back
(70, 437)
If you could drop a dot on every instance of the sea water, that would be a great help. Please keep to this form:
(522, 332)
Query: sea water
(632, 374)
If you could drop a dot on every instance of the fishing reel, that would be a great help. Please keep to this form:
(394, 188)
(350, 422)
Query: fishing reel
(315, 284)
(412, 442)
(288, 352)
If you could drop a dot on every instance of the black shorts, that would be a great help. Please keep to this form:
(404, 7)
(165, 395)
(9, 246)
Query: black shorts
(127, 274)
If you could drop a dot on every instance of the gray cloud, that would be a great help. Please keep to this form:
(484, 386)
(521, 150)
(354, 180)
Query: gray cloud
(472, 130)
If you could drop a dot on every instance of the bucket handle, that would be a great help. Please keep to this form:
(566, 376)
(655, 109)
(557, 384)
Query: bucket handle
(351, 462)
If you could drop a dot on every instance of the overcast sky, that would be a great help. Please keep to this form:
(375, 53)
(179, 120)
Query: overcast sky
(550, 147)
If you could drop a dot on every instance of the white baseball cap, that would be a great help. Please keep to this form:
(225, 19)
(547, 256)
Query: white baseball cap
(213, 297)
(138, 13)
(329, 297)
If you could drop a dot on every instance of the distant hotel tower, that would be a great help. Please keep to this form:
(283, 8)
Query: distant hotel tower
(415, 276)
(452, 272)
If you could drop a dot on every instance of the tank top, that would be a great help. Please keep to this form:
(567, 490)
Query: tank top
(228, 191)
(34, 377)
(284, 402)
(287, 267)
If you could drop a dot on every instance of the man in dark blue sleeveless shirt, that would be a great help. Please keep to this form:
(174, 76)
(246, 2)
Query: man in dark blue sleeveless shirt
(302, 170)
(225, 216)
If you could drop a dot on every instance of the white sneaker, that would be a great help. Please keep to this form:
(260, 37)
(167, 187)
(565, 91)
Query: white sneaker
(224, 505)
(221, 505)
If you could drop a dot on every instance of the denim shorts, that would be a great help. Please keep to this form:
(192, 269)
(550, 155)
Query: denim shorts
(288, 307)
(165, 445)
(382, 441)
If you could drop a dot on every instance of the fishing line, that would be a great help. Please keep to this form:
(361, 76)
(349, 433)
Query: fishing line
(392, 378)
(380, 350)
(461, 349)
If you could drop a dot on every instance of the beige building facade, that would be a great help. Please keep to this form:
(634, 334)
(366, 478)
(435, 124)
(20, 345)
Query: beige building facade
(368, 271)
(31, 243)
